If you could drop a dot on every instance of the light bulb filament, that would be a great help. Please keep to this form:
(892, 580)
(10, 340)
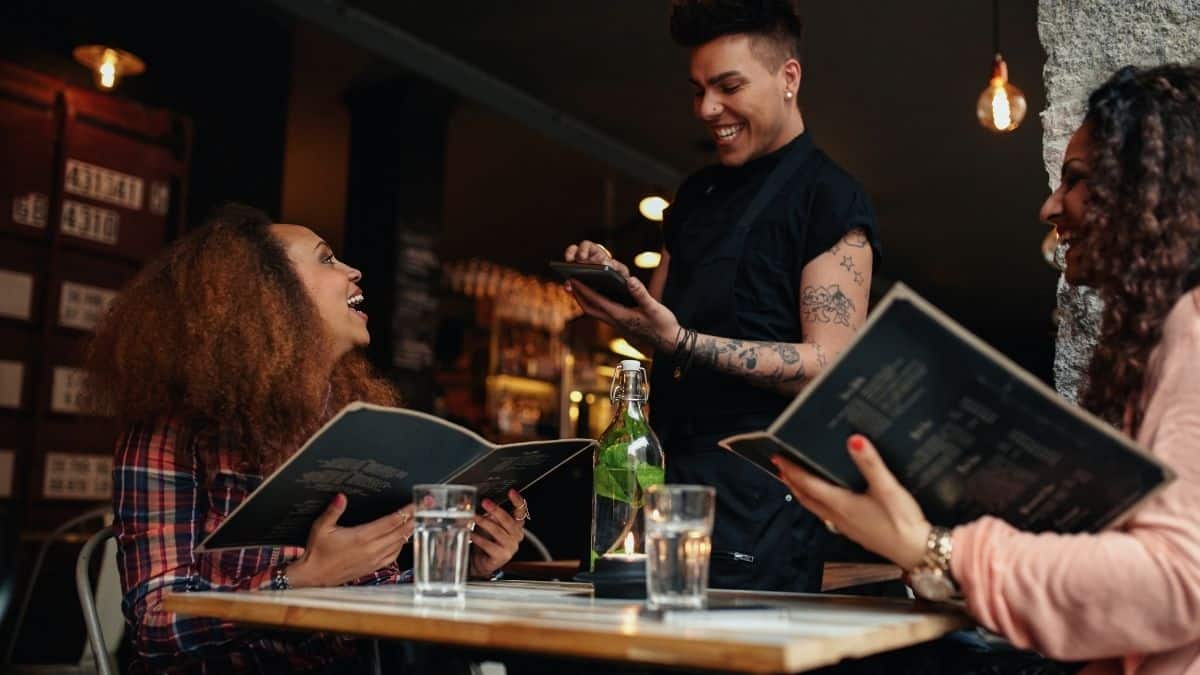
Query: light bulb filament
(1001, 111)
(108, 69)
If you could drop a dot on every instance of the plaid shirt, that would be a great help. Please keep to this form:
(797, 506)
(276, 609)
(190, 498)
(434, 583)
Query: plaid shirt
(170, 490)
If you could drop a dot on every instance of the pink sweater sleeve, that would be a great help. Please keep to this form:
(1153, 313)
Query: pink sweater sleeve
(1135, 590)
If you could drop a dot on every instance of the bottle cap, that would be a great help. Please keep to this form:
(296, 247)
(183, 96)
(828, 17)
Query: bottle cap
(631, 364)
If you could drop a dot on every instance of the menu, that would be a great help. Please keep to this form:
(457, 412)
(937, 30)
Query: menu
(963, 428)
(375, 455)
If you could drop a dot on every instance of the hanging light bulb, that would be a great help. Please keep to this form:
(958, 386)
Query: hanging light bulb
(108, 64)
(652, 207)
(1001, 106)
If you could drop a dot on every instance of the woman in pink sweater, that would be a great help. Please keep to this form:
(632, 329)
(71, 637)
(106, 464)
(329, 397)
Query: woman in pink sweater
(1128, 599)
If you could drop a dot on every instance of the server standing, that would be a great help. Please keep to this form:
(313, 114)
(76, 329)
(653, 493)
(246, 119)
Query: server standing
(765, 276)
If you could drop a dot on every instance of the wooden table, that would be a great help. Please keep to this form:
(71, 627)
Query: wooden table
(742, 631)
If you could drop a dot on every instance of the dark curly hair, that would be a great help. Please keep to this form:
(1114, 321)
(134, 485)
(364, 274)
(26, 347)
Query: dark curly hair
(776, 22)
(214, 331)
(1142, 223)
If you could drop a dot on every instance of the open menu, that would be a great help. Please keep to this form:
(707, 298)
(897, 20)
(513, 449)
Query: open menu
(962, 427)
(375, 455)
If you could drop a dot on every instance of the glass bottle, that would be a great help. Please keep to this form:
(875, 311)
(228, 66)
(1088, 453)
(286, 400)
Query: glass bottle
(628, 459)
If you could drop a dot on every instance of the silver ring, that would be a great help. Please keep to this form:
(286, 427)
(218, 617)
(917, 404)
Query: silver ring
(829, 526)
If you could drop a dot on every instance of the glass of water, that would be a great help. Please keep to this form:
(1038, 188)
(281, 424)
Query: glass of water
(679, 522)
(440, 539)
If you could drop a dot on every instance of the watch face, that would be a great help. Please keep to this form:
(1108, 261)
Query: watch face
(932, 586)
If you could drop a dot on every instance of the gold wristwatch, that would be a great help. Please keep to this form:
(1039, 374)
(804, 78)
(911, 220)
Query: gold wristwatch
(931, 578)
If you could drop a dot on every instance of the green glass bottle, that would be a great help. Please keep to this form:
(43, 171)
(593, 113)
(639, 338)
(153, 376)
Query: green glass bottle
(628, 459)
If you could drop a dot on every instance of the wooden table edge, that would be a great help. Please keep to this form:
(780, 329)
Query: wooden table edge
(580, 642)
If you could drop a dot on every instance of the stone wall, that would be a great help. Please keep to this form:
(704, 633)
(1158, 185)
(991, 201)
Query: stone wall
(1085, 42)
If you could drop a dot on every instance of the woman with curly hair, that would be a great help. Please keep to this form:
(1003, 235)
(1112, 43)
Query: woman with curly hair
(218, 360)
(1125, 600)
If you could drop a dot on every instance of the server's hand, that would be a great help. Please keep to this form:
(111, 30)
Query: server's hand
(650, 322)
(591, 252)
(885, 519)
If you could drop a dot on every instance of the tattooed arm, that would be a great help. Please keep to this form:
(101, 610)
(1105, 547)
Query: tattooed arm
(834, 290)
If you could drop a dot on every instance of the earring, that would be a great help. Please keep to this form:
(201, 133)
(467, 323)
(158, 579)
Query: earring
(787, 94)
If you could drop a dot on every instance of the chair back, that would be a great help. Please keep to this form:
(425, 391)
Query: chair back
(92, 620)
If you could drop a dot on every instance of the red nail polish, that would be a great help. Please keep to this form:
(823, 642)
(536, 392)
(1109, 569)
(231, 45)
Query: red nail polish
(856, 443)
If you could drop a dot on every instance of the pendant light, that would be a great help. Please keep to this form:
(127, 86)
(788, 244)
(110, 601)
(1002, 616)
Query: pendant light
(1001, 106)
(108, 64)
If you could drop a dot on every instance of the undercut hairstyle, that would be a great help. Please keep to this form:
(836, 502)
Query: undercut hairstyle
(1141, 232)
(219, 332)
(774, 26)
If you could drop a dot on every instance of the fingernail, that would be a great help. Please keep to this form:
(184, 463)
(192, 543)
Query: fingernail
(339, 499)
(856, 443)
(489, 504)
(775, 461)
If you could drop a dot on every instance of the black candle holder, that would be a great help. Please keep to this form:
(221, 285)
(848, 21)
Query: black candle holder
(617, 578)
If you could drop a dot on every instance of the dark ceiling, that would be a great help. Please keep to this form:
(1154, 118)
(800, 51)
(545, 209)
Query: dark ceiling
(889, 92)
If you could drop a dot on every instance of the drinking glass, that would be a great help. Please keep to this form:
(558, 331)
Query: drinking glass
(679, 522)
(440, 539)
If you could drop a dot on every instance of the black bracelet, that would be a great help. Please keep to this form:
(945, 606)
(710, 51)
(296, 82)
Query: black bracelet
(678, 344)
(688, 345)
(687, 365)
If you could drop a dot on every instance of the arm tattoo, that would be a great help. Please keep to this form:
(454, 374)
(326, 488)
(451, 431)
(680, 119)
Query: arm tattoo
(773, 365)
(641, 331)
(858, 278)
(787, 352)
(847, 262)
(826, 304)
(779, 366)
(855, 238)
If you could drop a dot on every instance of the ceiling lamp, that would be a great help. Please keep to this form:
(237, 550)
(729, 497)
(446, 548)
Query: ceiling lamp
(108, 65)
(1001, 106)
(652, 207)
(647, 260)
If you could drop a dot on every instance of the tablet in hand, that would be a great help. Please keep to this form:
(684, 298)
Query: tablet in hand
(600, 278)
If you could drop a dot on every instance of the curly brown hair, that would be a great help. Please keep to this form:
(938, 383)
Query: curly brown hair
(219, 332)
(1142, 222)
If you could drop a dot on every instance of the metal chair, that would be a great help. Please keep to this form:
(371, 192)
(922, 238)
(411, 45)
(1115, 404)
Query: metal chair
(87, 601)
(538, 546)
(94, 513)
